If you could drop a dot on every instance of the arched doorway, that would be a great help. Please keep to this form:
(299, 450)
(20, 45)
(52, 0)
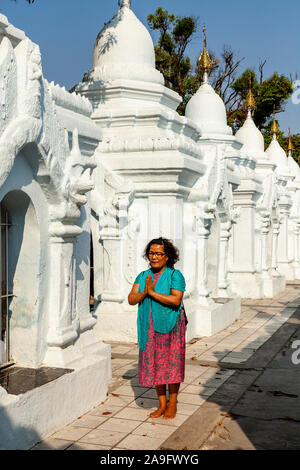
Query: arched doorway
(20, 273)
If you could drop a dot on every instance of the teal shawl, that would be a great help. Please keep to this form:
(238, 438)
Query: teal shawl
(164, 316)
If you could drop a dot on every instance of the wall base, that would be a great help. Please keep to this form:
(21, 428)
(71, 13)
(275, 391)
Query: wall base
(297, 271)
(33, 416)
(115, 324)
(247, 285)
(287, 270)
(203, 320)
(207, 321)
(274, 285)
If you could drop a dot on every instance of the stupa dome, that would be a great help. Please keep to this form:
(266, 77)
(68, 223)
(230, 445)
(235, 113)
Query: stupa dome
(278, 156)
(124, 49)
(207, 109)
(252, 138)
(292, 164)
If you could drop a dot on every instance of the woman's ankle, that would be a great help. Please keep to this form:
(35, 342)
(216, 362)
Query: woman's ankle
(159, 412)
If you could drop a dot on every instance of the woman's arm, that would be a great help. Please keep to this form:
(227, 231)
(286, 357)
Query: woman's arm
(173, 300)
(135, 297)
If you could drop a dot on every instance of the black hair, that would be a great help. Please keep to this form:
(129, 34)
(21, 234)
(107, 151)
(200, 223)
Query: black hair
(170, 250)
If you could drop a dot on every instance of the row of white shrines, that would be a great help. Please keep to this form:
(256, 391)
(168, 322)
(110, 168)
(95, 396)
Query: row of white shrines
(113, 166)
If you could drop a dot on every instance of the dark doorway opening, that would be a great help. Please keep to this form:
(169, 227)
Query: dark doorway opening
(6, 296)
(92, 294)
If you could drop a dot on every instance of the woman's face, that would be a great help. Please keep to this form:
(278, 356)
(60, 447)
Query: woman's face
(157, 257)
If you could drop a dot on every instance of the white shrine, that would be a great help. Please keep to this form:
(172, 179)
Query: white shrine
(261, 226)
(47, 143)
(284, 182)
(103, 171)
(294, 220)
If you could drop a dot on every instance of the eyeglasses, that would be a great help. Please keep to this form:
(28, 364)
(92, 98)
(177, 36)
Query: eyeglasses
(159, 254)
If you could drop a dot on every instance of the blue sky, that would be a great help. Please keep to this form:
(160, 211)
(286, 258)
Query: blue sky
(258, 29)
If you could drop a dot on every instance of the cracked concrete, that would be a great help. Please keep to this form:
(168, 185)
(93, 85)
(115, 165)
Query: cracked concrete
(267, 416)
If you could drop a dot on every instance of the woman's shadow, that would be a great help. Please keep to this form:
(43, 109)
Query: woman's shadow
(144, 397)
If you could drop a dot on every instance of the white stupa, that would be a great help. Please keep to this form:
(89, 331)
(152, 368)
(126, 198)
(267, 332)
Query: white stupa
(124, 49)
(250, 135)
(276, 153)
(206, 108)
(292, 164)
(148, 163)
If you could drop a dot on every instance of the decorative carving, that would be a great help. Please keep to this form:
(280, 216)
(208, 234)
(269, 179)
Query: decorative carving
(150, 145)
(113, 218)
(8, 83)
(214, 189)
(30, 117)
(130, 261)
(77, 181)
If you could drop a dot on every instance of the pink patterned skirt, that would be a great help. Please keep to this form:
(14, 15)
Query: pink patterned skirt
(163, 360)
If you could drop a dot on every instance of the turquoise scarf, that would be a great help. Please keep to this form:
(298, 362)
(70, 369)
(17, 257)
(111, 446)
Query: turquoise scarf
(164, 316)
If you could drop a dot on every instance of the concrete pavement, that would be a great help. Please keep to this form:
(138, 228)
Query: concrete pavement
(241, 386)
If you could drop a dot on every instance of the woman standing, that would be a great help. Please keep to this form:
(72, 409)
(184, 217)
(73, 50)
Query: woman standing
(161, 324)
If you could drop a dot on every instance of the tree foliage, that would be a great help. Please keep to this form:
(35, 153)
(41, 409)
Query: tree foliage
(176, 33)
(296, 145)
(269, 93)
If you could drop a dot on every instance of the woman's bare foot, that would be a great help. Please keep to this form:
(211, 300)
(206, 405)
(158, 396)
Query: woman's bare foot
(171, 411)
(157, 413)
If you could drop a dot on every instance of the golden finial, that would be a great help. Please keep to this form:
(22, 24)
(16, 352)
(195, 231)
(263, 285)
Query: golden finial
(290, 146)
(274, 127)
(250, 101)
(204, 60)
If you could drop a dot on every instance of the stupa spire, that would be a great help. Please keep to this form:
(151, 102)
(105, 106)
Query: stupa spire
(290, 146)
(250, 101)
(124, 3)
(204, 60)
(274, 127)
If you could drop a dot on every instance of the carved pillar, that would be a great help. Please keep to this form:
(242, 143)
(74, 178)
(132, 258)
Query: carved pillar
(264, 232)
(284, 260)
(111, 240)
(258, 247)
(203, 226)
(63, 320)
(115, 229)
(243, 261)
(276, 231)
(223, 283)
(296, 262)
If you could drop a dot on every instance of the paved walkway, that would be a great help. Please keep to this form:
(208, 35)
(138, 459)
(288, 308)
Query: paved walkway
(123, 422)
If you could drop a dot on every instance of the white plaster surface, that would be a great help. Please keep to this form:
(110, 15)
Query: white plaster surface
(232, 209)
(29, 418)
(212, 319)
(47, 141)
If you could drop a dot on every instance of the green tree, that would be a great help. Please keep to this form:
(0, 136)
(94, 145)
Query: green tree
(269, 93)
(296, 144)
(184, 78)
(175, 35)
